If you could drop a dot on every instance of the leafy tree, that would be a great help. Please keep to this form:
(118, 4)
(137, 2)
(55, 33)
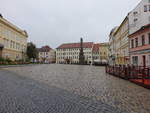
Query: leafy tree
(32, 51)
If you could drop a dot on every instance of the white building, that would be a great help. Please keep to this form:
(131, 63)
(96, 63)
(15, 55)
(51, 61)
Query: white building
(69, 53)
(139, 16)
(46, 55)
(112, 46)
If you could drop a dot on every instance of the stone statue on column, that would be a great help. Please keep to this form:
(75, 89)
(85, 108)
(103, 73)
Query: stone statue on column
(81, 54)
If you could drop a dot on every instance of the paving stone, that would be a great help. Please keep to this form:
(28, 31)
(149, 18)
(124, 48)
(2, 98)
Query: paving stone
(68, 89)
(29, 96)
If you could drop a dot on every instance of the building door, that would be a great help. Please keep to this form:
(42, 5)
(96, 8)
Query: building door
(144, 60)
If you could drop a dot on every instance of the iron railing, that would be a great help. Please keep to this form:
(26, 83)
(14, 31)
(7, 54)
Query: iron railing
(136, 74)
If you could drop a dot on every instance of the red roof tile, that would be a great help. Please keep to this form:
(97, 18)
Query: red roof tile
(44, 49)
(75, 45)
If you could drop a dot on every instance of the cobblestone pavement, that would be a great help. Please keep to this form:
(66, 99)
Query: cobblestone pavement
(69, 89)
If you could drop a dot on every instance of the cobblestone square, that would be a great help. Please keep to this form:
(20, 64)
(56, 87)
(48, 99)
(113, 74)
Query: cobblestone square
(68, 89)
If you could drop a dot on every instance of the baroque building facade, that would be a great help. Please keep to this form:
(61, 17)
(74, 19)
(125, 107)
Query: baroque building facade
(140, 47)
(139, 21)
(104, 52)
(119, 41)
(139, 16)
(119, 44)
(112, 47)
(13, 41)
(46, 55)
(122, 43)
(95, 53)
(69, 53)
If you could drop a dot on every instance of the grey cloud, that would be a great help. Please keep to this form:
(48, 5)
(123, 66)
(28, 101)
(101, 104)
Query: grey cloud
(54, 22)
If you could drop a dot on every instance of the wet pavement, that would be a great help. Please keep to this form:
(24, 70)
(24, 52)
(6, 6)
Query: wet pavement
(68, 89)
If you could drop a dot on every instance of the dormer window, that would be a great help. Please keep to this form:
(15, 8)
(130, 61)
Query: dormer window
(135, 13)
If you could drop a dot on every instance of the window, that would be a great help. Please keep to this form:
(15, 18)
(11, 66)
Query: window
(143, 40)
(10, 44)
(145, 8)
(13, 45)
(149, 37)
(135, 20)
(135, 13)
(132, 43)
(135, 60)
(136, 42)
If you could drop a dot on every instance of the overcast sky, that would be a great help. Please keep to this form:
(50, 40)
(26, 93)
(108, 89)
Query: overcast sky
(53, 22)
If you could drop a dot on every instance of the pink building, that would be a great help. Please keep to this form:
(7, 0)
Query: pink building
(140, 47)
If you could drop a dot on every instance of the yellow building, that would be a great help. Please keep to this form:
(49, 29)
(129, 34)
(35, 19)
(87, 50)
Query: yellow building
(13, 41)
(104, 52)
(122, 43)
